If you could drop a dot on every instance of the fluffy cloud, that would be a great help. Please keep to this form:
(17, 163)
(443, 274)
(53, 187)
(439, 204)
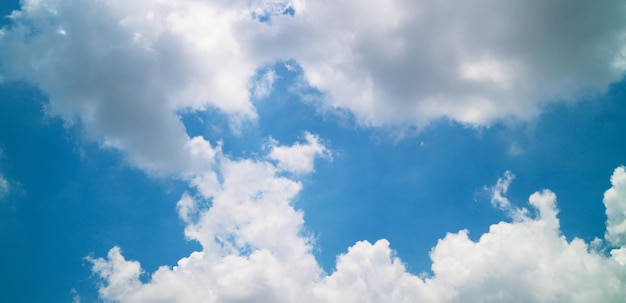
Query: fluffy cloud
(616, 208)
(252, 238)
(254, 250)
(298, 158)
(395, 62)
(125, 70)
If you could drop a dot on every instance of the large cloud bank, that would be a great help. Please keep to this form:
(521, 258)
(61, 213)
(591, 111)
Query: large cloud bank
(476, 62)
(124, 70)
(254, 249)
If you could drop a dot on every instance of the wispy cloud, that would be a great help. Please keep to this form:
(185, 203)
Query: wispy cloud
(4, 187)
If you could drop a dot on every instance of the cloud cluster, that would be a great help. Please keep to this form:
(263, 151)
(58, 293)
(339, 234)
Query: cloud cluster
(125, 71)
(254, 249)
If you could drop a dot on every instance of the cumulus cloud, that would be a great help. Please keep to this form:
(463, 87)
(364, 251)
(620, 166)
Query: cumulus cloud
(125, 70)
(298, 158)
(616, 208)
(252, 237)
(254, 250)
(394, 62)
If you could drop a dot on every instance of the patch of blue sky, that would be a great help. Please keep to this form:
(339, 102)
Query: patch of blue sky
(412, 194)
(568, 150)
(6, 7)
(278, 9)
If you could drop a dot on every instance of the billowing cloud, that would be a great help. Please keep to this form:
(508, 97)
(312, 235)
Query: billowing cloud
(252, 238)
(409, 62)
(254, 249)
(125, 71)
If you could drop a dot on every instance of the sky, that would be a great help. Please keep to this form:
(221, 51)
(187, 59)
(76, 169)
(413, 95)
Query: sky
(312, 151)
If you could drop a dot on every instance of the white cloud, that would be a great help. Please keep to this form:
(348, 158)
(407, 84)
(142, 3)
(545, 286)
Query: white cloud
(498, 198)
(121, 276)
(262, 87)
(616, 208)
(253, 250)
(126, 69)
(477, 62)
(251, 235)
(298, 158)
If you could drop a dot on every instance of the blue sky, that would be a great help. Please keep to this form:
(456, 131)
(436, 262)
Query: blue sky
(185, 151)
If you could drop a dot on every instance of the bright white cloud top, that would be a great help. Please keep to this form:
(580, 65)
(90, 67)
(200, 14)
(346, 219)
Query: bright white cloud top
(126, 71)
(254, 251)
